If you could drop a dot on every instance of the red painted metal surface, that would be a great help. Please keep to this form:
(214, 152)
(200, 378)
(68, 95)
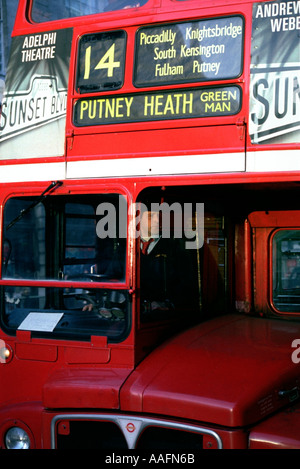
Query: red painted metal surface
(227, 371)
(278, 432)
(84, 388)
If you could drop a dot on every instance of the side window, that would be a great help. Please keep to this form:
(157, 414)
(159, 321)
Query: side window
(164, 275)
(24, 250)
(286, 270)
(275, 63)
(61, 259)
(183, 268)
(213, 255)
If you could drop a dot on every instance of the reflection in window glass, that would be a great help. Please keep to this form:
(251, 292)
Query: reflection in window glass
(58, 238)
(286, 270)
(66, 312)
(65, 238)
(177, 281)
(24, 249)
(58, 9)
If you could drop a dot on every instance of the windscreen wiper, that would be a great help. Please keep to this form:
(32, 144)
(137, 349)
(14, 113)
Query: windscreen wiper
(53, 186)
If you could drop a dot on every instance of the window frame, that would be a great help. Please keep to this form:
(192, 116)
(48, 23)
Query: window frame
(273, 263)
(124, 285)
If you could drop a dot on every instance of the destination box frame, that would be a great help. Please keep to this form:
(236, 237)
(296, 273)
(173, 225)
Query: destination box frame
(157, 117)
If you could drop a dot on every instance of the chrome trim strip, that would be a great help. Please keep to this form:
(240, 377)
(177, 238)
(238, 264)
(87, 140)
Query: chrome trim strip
(140, 424)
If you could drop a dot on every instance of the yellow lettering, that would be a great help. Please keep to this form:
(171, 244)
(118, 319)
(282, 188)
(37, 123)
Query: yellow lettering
(83, 107)
(119, 107)
(92, 109)
(108, 62)
(158, 104)
(232, 95)
(209, 107)
(149, 105)
(169, 105)
(109, 108)
(128, 102)
(226, 106)
(177, 98)
(100, 102)
(218, 107)
(187, 103)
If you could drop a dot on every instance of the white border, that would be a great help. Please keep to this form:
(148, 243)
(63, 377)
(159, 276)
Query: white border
(256, 161)
(273, 161)
(156, 166)
(32, 172)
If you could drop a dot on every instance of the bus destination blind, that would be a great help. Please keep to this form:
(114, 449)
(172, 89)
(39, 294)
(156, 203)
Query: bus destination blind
(141, 107)
(189, 52)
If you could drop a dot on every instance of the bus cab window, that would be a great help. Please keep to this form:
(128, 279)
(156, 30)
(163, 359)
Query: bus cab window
(161, 268)
(178, 281)
(286, 270)
(64, 239)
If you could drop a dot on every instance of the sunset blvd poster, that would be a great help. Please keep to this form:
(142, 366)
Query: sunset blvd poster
(32, 122)
(275, 73)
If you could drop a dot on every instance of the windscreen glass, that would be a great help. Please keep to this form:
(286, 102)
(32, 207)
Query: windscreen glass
(70, 239)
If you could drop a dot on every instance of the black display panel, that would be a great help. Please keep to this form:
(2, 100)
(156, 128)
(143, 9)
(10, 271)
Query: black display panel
(163, 105)
(101, 62)
(188, 52)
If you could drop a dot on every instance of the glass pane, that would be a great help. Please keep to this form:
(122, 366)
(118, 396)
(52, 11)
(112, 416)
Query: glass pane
(195, 51)
(70, 238)
(65, 238)
(286, 270)
(66, 312)
(183, 268)
(58, 9)
(24, 245)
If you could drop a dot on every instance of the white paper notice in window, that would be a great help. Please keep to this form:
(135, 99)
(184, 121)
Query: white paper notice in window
(42, 322)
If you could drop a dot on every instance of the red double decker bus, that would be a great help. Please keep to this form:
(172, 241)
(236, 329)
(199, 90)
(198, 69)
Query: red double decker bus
(150, 226)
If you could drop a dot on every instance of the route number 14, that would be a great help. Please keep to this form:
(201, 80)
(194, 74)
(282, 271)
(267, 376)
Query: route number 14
(101, 63)
(106, 62)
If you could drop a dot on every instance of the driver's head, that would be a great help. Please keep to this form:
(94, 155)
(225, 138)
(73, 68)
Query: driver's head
(150, 224)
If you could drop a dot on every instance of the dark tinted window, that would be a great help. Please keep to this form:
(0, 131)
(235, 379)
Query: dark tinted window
(44, 10)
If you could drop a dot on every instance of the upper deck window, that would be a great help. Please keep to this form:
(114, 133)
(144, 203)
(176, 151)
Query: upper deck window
(43, 11)
(286, 270)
